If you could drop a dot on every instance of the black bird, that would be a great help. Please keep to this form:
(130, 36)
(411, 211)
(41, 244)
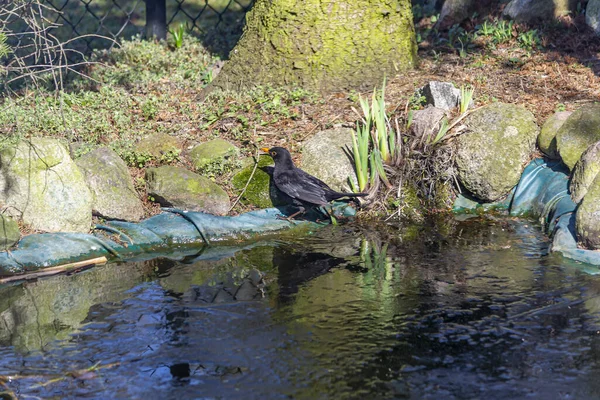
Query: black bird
(303, 188)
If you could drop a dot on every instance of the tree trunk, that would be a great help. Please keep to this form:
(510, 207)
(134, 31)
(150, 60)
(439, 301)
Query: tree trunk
(324, 45)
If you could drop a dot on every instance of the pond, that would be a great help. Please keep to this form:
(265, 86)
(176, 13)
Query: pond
(460, 309)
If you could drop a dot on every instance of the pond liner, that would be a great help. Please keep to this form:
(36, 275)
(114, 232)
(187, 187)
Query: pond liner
(543, 193)
(161, 233)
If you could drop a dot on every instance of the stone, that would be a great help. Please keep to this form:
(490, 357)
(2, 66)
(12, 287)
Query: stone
(323, 156)
(40, 184)
(261, 191)
(177, 187)
(577, 133)
(454, 12)
(427, 122)
(493, 153)
(538, 10)
(214, 154)
(441, 95)
(9, 232)
(592, 15)
(585, 171)
(158, 145)
(587, 218)
(113, 193)
(547, 137)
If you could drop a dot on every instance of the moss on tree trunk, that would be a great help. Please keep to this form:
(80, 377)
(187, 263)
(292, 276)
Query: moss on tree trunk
(324, 45)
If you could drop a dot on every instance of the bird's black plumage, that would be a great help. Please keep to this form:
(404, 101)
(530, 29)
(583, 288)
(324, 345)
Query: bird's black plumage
(302, 187)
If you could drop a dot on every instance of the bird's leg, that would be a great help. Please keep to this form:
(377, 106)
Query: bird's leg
(301, 210)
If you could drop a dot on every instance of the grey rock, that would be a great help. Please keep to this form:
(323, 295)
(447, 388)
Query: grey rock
(217, 152)
(455, 12)
(577, 133)
(9, 232)
(492, 155)
(587, 219)
(585, 171)
(40, 184)
(592, 15)
(426, 122)
(180, 188)
(113, 193)
(441, 95)
(323, 156)
(547, 137)
(158, 145)
(537, 10)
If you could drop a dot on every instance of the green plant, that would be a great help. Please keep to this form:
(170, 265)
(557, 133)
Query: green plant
(441, 132)
(360, 152)
(560, 107)
(150, 108)
(136, 159)
(466, 96)
(374, 143)
(529, 39)
(485, 29)
(177, 35)
(503, 31)
(417, 100)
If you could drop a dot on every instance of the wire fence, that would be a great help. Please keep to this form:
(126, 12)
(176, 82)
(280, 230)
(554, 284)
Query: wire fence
(100, 24)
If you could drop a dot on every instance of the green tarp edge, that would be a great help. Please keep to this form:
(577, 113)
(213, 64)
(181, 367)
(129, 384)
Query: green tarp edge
(542, 193)
(160, 233)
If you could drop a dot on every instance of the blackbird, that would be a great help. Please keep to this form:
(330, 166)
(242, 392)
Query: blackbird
(303, 188)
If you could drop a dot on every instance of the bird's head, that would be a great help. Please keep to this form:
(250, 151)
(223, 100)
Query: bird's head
(278, 153)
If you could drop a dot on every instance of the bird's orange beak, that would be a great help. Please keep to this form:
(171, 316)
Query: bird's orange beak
(265, 149)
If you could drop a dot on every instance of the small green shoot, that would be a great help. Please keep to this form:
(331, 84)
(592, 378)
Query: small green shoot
(441, 132)
(466, 97)
(177, 35)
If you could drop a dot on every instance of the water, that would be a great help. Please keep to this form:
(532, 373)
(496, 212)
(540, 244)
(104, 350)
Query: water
(467, 310)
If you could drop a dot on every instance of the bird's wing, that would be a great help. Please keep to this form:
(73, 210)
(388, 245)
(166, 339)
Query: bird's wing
(302, 186)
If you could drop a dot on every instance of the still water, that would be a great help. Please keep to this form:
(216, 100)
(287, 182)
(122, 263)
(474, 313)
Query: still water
(460, 310)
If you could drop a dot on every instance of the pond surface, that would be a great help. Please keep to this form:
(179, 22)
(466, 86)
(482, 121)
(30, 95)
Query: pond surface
(471, 309)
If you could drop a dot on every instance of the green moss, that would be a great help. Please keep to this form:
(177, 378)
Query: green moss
(322, 44)
(577, 133)
(258, 190)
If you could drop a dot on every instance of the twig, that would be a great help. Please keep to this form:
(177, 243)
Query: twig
(453, 124)
(55, 270)
(249, 179)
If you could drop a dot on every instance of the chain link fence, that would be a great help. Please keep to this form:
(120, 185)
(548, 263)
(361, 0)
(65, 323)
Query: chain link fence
(82, 26)
(118, 19)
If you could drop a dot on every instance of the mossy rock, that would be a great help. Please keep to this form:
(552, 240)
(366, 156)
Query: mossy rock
(492, 155)
(323, 156)
(42, 186)
(158, 145)
(547, 137)
(111, 185)
(214, 154)
(9, 232)
(579, 131)
(587, 220)
(177, 187)
(260, 191)
(585, 172)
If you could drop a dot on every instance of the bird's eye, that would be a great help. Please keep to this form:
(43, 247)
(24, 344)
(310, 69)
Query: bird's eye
(273, 153)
